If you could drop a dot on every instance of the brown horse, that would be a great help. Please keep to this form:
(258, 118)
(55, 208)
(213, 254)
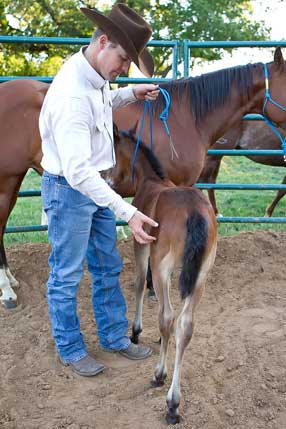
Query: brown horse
(254, 135)
(202, 110)
(217, 101)
(186, 239)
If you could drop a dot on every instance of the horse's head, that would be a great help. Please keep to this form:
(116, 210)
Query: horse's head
(275, 89)
(132, 158)
(120, 176)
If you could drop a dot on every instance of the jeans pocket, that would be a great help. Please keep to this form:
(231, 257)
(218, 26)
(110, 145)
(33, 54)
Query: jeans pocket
(45, 191)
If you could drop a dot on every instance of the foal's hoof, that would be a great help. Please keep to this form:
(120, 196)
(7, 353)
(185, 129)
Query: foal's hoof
(152, 295)
(157, 382)
(135, 336)
(172, 419)
(134, 339)
(9, 304)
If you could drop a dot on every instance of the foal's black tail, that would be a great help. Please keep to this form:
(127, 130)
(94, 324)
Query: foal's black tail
(195, 245)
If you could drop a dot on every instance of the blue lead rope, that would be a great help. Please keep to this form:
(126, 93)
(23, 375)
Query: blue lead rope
(163, 117)
(147, 105)
(270, 123)
(165, 114)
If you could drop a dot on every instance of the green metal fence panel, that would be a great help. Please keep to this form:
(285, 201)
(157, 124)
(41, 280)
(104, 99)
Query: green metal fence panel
(173, 44)
(189, 45)
(224, 219)
(242, 152)
(224, 186)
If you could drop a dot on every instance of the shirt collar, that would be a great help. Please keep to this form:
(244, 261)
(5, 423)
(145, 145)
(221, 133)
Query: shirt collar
(90, 73)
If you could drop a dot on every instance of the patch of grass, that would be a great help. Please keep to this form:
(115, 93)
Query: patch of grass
(248, 203)
(28, 211)
(230, 203)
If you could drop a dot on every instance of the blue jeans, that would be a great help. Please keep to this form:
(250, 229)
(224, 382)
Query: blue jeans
(80, 229)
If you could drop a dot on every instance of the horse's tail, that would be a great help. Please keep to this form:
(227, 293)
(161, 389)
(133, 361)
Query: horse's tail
(195, 245)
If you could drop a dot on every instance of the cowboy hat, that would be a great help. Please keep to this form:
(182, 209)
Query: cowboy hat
(127, 28)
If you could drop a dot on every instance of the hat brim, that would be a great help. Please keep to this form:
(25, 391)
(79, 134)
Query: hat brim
(144, 60)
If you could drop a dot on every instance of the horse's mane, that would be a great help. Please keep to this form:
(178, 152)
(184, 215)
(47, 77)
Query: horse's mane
(211, 90)
(151, 158)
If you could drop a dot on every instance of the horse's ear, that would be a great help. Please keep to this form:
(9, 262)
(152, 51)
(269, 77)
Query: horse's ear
(278, 57)
(132, 130)
(116, 132)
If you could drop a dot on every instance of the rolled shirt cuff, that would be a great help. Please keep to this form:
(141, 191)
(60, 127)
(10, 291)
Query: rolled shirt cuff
(128, 94)
(123, 210)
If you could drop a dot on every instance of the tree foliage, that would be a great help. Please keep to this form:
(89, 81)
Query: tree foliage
(196, 20)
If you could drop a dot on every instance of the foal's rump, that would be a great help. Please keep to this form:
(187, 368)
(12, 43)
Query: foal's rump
(194, 252)
(186, 233)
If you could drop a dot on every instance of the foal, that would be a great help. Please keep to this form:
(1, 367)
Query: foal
(186, 239)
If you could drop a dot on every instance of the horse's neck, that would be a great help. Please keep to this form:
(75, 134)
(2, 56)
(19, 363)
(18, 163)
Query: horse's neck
(218, 122)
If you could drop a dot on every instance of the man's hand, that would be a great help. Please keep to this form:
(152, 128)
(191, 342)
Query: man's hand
(136, 225)
(146, 91)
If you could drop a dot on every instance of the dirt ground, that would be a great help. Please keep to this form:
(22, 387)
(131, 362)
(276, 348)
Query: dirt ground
(234, 373)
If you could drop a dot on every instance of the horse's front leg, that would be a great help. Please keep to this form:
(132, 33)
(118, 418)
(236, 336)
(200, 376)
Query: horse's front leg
(8, 297)
(161, 272)
(141, 257)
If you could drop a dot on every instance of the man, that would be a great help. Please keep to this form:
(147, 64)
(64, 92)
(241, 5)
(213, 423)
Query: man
(77, 140)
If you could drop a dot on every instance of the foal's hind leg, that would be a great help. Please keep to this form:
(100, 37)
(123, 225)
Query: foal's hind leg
(149, 284)
(141, 256)
(161, 280)
(184, 332)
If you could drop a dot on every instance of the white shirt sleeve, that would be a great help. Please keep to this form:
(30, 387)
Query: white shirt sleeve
(71, 125)
(122, 96)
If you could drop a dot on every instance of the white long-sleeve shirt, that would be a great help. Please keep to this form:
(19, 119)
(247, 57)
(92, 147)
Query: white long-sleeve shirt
(77, 131)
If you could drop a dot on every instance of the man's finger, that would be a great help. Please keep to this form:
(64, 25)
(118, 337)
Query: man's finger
(150, 98)
(142, 237)
(146, 236)
(153, 93)
(150, 221)
(143, 240)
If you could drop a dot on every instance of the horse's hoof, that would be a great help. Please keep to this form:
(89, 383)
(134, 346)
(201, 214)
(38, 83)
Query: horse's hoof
(172, 419)
(9, 304)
